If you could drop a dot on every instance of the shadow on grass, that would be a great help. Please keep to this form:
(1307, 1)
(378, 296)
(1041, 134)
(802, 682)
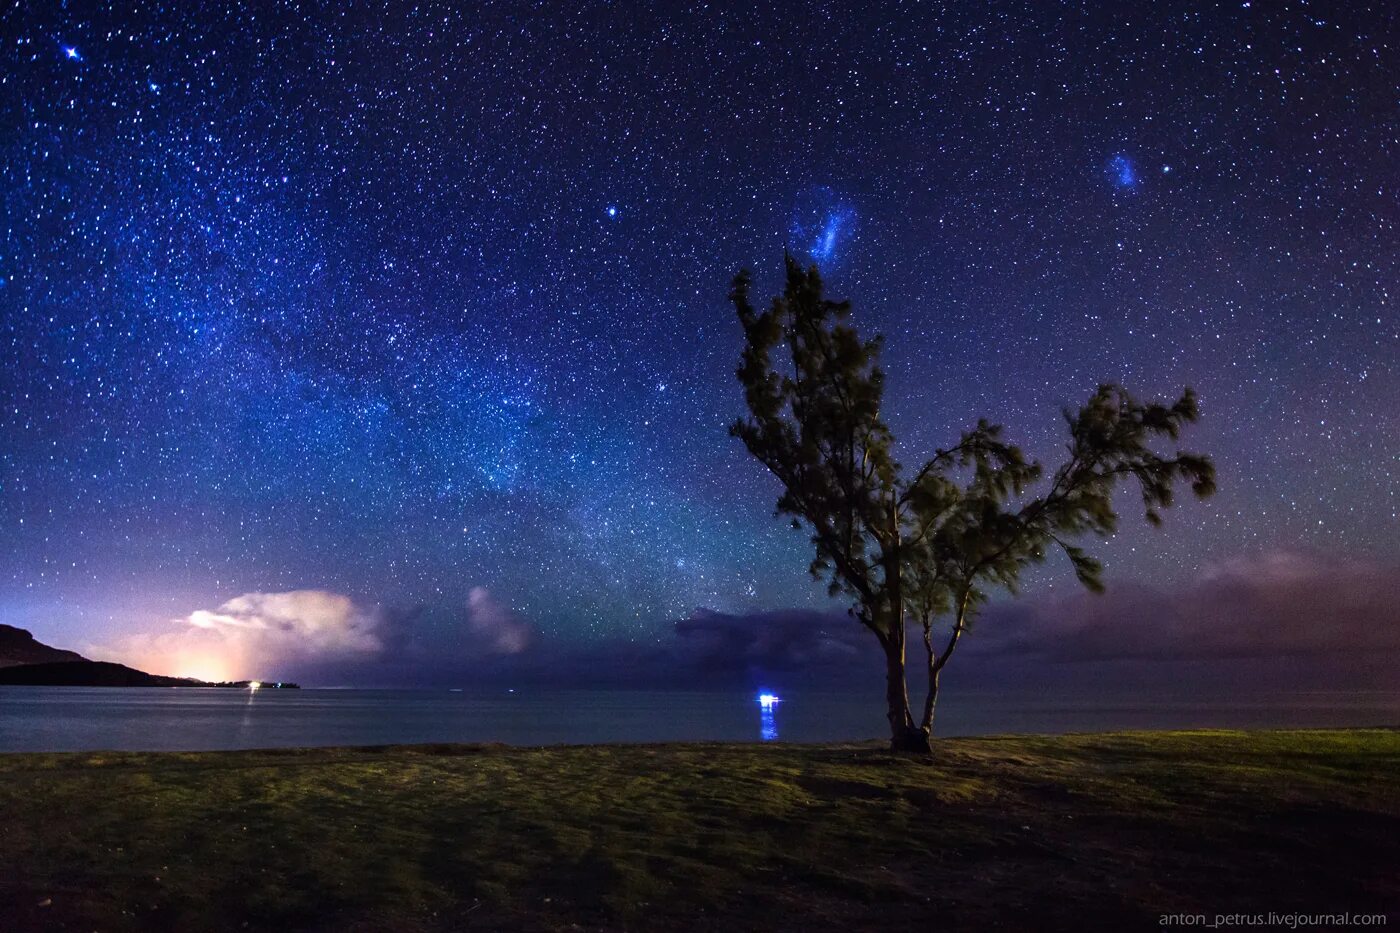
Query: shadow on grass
(1061, 832)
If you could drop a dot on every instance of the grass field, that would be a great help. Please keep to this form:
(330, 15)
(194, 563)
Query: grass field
(1073, 832)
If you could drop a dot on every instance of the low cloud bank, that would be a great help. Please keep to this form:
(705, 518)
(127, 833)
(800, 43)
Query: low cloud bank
(303, 633)
(1275, 620)
(782, 640)
(1272, 605)
(1278, 615)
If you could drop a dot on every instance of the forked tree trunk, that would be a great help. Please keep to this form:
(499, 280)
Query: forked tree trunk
(906, 736)
(937, 661)
(933, 670)
(930, 701)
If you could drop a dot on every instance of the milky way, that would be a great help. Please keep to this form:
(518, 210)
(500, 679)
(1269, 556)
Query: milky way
(402, 302)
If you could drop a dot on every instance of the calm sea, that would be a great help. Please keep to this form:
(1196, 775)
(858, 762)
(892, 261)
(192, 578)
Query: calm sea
(83, 719)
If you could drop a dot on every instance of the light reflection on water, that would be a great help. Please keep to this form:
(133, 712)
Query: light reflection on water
(767, 724)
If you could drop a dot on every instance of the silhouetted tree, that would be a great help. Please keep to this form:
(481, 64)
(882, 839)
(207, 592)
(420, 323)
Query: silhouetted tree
(912, 550)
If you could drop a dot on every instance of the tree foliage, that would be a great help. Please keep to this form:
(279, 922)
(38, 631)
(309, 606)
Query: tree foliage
(913, 548)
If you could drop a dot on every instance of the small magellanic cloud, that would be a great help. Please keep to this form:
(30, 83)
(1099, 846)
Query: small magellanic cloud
(1122, 173)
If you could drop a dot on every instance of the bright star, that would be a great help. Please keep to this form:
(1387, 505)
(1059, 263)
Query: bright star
(612, 210)
(72, 53)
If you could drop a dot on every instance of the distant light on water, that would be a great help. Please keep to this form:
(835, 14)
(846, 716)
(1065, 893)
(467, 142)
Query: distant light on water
(767, 700)
(254, 685)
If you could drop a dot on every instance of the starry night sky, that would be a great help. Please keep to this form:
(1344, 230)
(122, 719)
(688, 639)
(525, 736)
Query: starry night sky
(411, 304)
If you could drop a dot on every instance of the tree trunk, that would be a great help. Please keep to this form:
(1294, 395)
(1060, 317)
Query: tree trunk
(931, 700)
(905, 736)
(937, 661)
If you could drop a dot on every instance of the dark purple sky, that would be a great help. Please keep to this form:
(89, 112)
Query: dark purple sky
(418, 316)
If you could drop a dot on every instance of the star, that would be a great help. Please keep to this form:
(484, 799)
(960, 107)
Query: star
(243, 319)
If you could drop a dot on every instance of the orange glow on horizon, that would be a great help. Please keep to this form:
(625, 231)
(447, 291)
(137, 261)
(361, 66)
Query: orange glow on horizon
(212, 670)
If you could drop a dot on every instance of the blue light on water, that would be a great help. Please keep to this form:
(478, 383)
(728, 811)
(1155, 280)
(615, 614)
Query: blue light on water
(767, 718)
(767, 725)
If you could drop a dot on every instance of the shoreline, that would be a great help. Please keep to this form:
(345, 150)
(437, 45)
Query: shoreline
(875, 745)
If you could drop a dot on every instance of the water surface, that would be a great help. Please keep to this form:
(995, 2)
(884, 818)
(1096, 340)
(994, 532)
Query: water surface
(82, 718)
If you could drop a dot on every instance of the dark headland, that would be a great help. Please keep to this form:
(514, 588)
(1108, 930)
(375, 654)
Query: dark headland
(19, 646)
(25, 661)
(87, 674)
(1082, 832)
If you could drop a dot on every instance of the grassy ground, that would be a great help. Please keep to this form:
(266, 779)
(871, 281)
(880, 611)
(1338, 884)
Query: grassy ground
(1045, 832)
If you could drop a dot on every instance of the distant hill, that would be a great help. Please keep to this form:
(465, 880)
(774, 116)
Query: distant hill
(84, 673)
(18, 646)
(25, 662)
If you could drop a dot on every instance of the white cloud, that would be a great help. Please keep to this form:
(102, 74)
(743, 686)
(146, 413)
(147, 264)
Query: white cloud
(500, 630)
(317, 622)
(303, 632)
(259, 635)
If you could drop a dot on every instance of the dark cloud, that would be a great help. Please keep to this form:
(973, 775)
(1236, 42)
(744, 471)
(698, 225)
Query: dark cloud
(782, 640)
(1271, 605)
(1275, 620)
(705, 649)
(1276, 605)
